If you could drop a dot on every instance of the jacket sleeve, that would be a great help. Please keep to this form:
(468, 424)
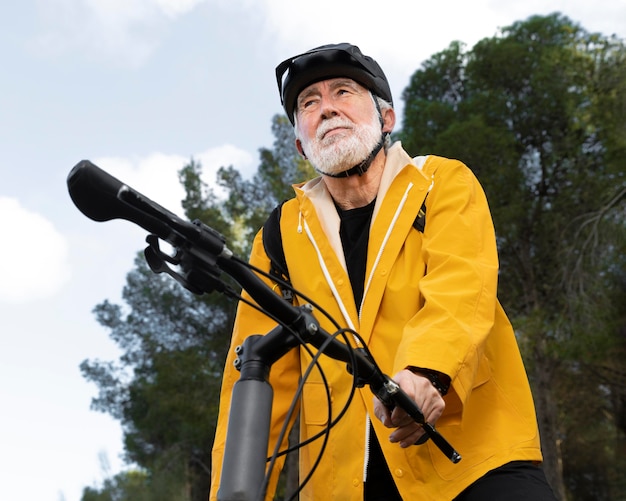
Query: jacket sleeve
(284, 378)
(448, 334)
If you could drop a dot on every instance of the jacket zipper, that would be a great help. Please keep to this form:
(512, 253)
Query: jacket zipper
(367, 285)
(342, 307)
(385, 240)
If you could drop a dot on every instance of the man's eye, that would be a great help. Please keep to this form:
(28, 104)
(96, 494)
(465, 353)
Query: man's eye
(307, 103)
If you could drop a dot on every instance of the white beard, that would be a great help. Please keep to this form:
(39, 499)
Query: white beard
(342, 150)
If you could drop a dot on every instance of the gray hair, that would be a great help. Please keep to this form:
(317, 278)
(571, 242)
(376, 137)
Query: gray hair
(382, 106)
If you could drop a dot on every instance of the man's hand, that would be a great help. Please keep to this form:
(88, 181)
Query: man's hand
(427, 398)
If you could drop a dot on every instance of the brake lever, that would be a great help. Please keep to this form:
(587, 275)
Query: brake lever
(196, 279)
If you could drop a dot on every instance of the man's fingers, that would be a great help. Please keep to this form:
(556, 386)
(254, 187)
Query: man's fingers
(382, 413)
(407, 435)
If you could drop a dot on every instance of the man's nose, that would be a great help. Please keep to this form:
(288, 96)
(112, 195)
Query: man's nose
(328, 107)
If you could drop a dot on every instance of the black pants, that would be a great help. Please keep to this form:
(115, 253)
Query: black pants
(515, 481)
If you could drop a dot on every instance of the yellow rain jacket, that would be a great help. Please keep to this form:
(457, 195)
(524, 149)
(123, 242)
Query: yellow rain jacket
(429, 301)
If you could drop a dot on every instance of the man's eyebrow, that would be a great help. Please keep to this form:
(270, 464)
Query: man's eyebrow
(344, 82)
(336, 83)
(307, 92)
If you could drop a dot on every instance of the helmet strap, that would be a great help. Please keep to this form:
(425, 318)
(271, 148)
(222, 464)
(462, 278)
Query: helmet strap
(362, 168)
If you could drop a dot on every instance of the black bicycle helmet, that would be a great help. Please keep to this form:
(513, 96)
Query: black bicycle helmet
(328, 61)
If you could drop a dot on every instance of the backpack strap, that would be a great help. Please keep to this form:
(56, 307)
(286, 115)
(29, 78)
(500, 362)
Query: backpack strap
(273, 245)
(420, 220)
(430, 166)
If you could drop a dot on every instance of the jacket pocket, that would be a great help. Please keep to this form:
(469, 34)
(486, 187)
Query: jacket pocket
(454, 406)
(317, 402)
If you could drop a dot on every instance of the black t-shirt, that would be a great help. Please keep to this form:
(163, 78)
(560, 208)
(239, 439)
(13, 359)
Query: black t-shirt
(354, 232)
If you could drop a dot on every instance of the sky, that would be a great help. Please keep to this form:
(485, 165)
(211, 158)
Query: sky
(139, 87)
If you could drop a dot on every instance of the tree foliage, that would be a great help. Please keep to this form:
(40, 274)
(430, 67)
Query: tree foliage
(252, 200)
(126, 486)
(164, 389)
(537, 113)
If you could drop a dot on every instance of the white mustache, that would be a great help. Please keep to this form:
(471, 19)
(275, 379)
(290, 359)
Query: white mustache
(331, 124)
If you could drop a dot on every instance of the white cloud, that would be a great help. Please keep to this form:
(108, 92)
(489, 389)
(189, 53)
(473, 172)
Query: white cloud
(175, 8)
(124, 31)
(156, 175)
(404, 30)
(33, 257)
(225, 156)
(403, 33)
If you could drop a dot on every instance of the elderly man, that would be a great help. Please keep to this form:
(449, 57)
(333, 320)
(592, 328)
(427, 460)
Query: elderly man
(401, 250)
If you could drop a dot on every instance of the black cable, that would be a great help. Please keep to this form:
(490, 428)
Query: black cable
(288, 285)
(314, 363)
(326, 432)
(294, 401)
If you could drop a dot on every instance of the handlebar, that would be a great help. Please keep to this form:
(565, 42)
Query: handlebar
(202, 254)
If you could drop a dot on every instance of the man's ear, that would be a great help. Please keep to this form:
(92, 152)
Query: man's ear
(299, 148)
(389, 119)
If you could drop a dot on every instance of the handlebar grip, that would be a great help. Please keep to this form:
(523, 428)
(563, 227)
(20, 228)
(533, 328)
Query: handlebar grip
(245, 453)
